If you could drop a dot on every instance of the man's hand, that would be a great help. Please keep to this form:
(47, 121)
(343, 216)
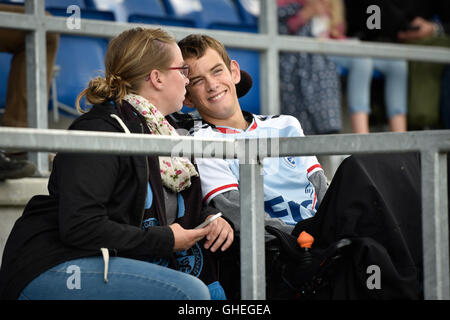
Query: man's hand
(184, 238)
(219, 234)
(424, 29)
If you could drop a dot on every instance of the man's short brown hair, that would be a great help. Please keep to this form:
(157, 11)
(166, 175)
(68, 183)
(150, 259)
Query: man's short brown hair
(195, 46)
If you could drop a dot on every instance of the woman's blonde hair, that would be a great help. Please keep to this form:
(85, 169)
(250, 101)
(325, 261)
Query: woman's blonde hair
(129, 59)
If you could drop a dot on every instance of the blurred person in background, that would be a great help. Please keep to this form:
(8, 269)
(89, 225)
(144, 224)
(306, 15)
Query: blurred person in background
(421, 22)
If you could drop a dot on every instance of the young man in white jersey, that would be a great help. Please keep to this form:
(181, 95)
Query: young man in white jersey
(293, 186)
(374, 200)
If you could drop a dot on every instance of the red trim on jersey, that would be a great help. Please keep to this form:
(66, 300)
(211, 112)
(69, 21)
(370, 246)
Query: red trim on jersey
(219, 189)
(231, 130)
(314, 167)
(227, 130)
(314, 202)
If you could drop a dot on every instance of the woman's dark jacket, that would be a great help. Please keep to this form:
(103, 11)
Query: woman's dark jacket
(95, 201)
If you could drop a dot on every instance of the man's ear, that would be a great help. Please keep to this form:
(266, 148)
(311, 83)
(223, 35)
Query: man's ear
(235, 71)
(155, 79)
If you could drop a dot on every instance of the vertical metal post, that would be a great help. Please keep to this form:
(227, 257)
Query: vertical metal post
(269, 65)
(435, 225)
(36, 59)
(253, 282)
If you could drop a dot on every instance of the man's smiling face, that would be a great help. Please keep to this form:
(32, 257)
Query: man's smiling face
(212, 89)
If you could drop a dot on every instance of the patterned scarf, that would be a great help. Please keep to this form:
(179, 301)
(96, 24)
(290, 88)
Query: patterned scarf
(176, 172)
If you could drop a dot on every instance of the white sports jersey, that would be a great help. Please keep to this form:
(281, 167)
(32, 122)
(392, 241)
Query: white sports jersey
(288, 194)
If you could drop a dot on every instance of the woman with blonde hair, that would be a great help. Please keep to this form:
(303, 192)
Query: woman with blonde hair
(119, 226)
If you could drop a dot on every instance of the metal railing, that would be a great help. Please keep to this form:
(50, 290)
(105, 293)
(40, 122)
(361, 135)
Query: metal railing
(432, 146)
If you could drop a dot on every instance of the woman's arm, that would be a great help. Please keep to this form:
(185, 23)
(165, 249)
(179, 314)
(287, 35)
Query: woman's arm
(87, 191)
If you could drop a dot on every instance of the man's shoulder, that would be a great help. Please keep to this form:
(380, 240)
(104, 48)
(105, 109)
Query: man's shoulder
(277, 121)
(191, 122)
(202, 129)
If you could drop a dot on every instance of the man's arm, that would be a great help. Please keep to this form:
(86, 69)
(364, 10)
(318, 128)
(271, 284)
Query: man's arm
(320, 183)
(229, 204)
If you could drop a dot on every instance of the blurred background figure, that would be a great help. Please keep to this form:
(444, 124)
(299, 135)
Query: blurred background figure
(360, 71)
(421, 22)
(309, 84)
(13, 41)
(14, 166)
(326, 19)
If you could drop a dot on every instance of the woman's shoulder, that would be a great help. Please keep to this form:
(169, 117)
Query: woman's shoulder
(98, 118)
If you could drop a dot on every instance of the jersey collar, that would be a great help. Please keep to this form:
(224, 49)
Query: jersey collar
(248, 117)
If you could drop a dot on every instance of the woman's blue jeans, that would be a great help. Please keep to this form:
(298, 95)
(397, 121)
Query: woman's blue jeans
(83, 279)
(360, 71)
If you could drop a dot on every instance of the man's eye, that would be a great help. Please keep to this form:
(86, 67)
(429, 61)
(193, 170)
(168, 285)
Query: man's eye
(195, 82)
(217, 71)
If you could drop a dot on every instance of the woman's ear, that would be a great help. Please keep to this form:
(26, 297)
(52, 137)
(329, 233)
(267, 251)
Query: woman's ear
(235, 71)
(156, 79)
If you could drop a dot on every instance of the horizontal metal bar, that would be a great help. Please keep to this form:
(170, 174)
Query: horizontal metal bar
(108, 142)
(260, 42)
(363, 143)
(113, 143)
(362, 48)
(18, 21)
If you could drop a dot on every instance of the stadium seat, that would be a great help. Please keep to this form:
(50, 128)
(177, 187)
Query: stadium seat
(249, 61)
(249, 11)
(12, 1)
(138, 11)
(78, 60)
(63, 4)
(220, 14)
(53, 3)
(210, 14)
(188, 10)
(5, 63)
(59, 8)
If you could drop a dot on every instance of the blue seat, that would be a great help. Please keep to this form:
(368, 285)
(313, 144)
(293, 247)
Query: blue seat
(5, 64)
(53, 3)
(12, 1)
(249, 11)
(249, 61)
(59, 8)
(79, 59)
(220, 14)
(210, 14)
(138, 11)
(63, 4)
(187, 10)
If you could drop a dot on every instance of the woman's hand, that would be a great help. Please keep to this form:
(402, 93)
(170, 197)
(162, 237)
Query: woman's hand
(219, 234)
(185, 238)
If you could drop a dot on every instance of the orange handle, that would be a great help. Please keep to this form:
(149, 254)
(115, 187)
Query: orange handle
(305, 240)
